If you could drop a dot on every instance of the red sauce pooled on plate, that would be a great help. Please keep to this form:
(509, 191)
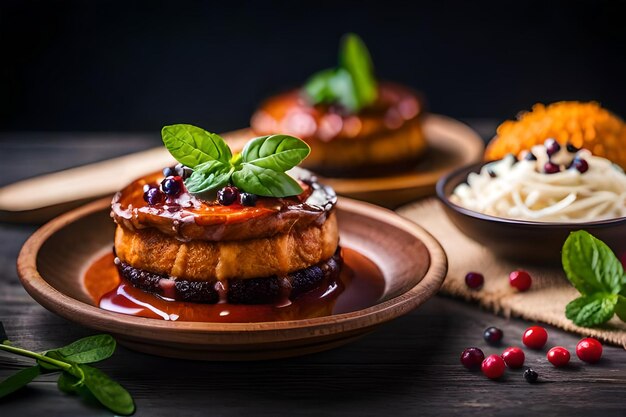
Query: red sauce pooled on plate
(360, 285)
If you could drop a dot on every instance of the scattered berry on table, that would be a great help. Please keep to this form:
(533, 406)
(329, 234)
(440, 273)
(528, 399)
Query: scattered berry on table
(474, 280)
(520, 279)
(493, 335)
(589, 350)
(513, 357)
(530, 375)
(472, 358)
(558, 356)
(535, 337)
(493, 367)
(248, 199)
(153, 196)
(172, 186)
(227, 195)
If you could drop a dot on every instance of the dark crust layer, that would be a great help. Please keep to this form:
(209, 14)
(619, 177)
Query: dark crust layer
(267, 290)
(190, 218)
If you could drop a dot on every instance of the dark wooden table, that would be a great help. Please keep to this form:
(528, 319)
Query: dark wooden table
(408, 367)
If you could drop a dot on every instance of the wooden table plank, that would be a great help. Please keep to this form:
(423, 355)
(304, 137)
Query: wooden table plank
(409, 367)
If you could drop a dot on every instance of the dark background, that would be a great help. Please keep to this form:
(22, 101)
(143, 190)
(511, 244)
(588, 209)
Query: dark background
(117, 65)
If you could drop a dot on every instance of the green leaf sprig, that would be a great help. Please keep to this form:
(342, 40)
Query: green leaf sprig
(76, 377)
(259, 169)
(352, 84)
(594, 270)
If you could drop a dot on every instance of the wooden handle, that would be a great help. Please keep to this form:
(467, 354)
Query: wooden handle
(31, 199)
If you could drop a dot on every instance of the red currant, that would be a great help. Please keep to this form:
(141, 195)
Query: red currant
(493, 367)
(520, 280)
(558, 356)
(472, 357)
(535, 337)
(474, 280)
(513, 357)
(589, 350)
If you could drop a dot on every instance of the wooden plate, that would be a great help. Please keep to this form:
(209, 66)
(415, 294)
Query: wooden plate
(53, 260)
(452, 144)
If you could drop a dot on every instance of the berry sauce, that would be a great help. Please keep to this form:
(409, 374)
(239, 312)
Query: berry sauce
(360, 285)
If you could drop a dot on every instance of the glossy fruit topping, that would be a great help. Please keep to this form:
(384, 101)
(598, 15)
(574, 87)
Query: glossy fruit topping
(550, 168)
(535, 337)
(472, 358)
(172, 186)
(530, 157)
(513, 357)
(169, 172)
(493, 367)
(183, 171)
(552, 146)
(571, 148)
(493, 335)
(474, 280)
(580, 164)
(530, 375)
(520, 280)
(153, 196)
(248, 199)
(589, 350)
(228, 195)
(558, 356)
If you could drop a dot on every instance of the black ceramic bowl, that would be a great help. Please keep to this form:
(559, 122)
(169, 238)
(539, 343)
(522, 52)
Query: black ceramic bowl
(520, 240)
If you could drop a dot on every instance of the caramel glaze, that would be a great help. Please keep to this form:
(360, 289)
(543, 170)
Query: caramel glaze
(360, 285)
(292, 114)
(187, 217)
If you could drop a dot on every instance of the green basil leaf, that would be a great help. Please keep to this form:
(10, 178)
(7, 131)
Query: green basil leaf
(590, 265)
(18, 380)
(68, 383)
(275, 152)
(265, 182)
(192, 146)
(620, 307)
(356, 59)
(208, 176)
(591, 310)
(111, 394)
(318, 88)
(87, 350)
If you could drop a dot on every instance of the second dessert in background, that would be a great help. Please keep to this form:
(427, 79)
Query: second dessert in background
(355, 125)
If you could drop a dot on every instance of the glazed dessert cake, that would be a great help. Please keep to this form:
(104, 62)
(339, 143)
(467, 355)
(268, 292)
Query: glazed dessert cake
(226, 244)
(355, 125)
(387, 134)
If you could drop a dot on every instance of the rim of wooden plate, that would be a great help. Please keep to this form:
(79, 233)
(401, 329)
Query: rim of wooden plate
(97, 318)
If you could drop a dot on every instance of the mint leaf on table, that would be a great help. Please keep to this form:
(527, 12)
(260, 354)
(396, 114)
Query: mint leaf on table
(594, 270)
(259, 169)
(75, 376)
(19, 380)
(88, 350)
(352, 84)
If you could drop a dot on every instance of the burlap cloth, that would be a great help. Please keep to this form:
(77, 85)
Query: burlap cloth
(544, 302)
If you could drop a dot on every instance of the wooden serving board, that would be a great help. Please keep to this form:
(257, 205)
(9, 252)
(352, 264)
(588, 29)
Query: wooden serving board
(544, 302)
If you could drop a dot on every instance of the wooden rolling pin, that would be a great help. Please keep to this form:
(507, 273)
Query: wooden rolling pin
(37, 199)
